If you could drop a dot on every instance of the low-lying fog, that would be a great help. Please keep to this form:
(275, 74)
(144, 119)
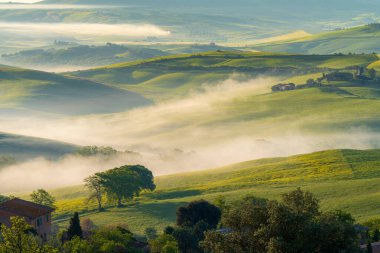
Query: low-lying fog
(199, 132)
(84, 30)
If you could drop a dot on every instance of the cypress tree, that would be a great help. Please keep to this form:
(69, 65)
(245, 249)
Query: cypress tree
(74, 228)
(376, 235)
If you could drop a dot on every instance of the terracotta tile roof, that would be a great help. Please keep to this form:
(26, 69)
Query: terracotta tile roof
(23, 208)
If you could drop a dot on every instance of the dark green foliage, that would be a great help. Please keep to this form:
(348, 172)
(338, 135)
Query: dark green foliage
(372, 73)
(283, 87)
(94, 184)
(42, 197)
(197, 211)
(103, 240)
(376, 235)
(4, 198)
(75, 230)
(294, 225)
(150, 233)
(339, 76)
(164, 244)
(200, 228)
(95, 150)
(187, 241)
(126, 182)
(369, 247)
(169, 230)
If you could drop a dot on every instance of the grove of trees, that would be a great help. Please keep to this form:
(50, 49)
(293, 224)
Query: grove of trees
(293, 225)
(120, 184)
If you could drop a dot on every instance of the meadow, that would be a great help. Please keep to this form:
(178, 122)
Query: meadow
(341, 179)
(361, 39)
(174, 76)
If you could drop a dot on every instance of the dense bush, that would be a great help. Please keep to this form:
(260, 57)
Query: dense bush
(294, 225)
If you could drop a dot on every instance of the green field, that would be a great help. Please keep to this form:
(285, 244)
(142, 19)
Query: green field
(178, 75)
(342, 179)
(30, 91)
(362, 39)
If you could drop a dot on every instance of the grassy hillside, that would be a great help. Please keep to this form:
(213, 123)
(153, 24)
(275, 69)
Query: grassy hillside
(363, 39)
(165, 77)
(82, 56)
(29, 90)
(63, 56)
(24, 147)
(344, 179)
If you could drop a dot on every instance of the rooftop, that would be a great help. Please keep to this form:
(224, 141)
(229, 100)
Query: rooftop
(23, 208)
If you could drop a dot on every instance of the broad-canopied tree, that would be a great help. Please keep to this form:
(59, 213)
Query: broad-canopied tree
(126, 182)
(197, 211)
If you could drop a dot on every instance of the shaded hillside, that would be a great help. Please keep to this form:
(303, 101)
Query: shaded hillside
(342, 179)
(363, 39)
(24, 147)
(50, 93)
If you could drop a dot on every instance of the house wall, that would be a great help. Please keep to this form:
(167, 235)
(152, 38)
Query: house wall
(42, 225)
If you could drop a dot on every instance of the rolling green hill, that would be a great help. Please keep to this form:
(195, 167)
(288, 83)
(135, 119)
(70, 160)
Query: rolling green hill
(363, 39)
(29, 91)
(63, 56)
(24, 147)
(81, 56)
(344, 179)
(165, 77)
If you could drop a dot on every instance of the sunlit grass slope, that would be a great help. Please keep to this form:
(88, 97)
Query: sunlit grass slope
(342, 179)
(172, 76)
(30, 90)
(363, 39)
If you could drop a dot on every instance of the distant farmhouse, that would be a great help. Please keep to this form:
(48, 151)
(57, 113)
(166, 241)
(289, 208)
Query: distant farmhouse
(38, 216)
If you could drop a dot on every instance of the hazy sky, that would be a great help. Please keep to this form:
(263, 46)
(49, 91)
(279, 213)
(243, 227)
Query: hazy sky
(20, 1)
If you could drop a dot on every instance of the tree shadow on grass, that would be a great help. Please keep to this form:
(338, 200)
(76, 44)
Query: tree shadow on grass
(173, 194)
(164, 211)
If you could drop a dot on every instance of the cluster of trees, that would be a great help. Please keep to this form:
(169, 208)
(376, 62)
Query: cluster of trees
(362, 75)
(293, 225)
(192, 222)
(42, 197)
(20, 238)
(95, 150)
(283, 87)
(119, 184)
